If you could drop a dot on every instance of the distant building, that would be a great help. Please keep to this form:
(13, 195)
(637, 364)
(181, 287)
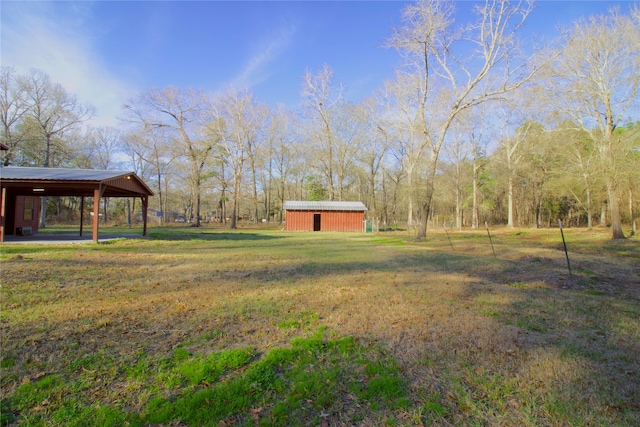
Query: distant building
(324, 216)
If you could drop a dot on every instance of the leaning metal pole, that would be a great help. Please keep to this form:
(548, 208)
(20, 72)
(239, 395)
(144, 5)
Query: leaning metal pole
(566, 253)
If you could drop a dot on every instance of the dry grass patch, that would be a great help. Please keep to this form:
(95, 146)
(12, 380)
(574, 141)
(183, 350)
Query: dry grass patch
(351, 328)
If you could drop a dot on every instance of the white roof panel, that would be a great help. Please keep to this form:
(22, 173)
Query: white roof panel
(324, 206)
(27, 173)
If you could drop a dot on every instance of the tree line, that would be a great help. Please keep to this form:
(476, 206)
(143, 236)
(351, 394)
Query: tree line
(474, 127)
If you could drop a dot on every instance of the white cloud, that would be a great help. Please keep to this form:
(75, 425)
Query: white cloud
(256, 69)
(38, 35)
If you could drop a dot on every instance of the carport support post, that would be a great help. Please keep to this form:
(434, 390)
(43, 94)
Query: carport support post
(96, 213)
(3, 203)
(145, 205)
(97, 194)
(81, 214)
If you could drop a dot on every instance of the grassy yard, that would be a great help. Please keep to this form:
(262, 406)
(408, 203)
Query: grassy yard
(263, 327)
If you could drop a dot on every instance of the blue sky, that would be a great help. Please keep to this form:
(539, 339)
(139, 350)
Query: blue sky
(107, 52)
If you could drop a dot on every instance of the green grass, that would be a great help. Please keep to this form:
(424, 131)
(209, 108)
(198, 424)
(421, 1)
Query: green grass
(260, 327)
(290, 385)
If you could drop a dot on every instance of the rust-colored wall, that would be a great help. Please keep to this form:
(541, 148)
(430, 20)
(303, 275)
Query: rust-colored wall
(329, 220)
(19, 220)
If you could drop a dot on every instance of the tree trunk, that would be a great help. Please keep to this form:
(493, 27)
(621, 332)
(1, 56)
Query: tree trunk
(614, 209)
(589, 209)
(410, 189)
(385, 210)
(223, 206)
(372, 195)
(475, 214)
(236, 195)
(603, 214)
(426, 207)
(510, 202)
(282, 196)
(255, 190)
(330, 171)
(196, 200)
(160, 200)
(631, 217)
(458, 208)
(269, 192)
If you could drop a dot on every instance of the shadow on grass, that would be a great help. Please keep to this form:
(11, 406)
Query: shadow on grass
(212, 236)
(517, 342)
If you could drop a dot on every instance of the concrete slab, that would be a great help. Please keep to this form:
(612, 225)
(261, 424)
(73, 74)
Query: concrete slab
(53, 239)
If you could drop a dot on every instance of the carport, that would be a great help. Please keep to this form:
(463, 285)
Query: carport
(18, 183)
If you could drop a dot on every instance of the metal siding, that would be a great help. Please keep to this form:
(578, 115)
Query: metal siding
(342, 221)
(329, 221)
(299, 221)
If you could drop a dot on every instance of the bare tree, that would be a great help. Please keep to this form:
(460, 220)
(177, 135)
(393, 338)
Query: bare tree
(320, 105)
(372, 148)
(403, 125)
(178, 115)
(350, 135)
(52, 112)
(598, 79)
(458, 68)
(286, 152)
(138, 160)
(513, 150)
(151, 155)
(13, 109)
(458, 154)
(104, 143)
(581, 165)
(238, 119)
(258, 114)
(278, 161)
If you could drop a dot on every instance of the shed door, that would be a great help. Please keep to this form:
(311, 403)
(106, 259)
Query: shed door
(316, 222)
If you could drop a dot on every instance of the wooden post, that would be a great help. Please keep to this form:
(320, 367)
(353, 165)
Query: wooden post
(96, 213)
(145, 204)
(3, 204)
(81, 214)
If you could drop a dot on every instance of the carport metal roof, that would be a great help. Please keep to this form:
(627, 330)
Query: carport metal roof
(27, 181)
(72, 182)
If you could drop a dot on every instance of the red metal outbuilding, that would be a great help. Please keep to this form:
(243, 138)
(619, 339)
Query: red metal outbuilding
(324, 216)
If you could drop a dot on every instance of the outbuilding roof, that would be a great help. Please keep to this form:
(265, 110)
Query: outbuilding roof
(324, 206)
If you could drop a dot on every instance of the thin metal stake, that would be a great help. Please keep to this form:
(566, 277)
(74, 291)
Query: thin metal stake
(445, 230)
(566, 253)
(490, 240)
